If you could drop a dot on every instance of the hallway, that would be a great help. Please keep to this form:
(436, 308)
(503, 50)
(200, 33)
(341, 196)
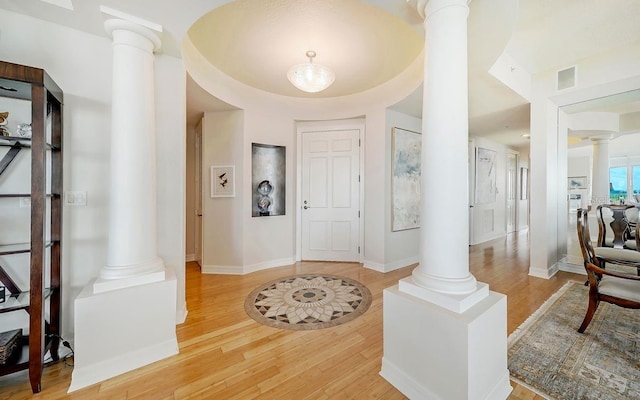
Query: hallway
(226, 355)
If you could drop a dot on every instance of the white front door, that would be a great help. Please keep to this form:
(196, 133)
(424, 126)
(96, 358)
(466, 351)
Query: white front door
(330, 195)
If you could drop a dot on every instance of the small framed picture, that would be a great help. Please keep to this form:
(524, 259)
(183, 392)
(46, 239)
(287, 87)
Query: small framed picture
(577, 182)
(223, 181)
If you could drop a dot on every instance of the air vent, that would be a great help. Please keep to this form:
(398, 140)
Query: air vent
(566, 78)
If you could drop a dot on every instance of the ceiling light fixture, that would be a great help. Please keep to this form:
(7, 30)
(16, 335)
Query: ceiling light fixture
(311, 77)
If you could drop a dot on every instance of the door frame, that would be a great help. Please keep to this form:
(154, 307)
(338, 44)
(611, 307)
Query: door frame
(516, 191)
(198, 240)
(320, 126)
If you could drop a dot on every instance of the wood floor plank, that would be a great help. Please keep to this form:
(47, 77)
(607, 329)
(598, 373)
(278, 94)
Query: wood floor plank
(224, 354)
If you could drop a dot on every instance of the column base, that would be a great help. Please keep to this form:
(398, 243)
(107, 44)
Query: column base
(115, 332)
(458, 303)
(432, 353)
(113, 278)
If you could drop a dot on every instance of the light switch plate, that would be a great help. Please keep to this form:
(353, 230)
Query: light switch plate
(75, 198)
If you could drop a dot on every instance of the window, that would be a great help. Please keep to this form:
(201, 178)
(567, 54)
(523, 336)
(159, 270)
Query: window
(624, 180)
(617, 184)
(635, 180)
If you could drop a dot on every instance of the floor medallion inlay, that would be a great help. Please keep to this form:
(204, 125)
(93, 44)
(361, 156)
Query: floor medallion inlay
(305, 302)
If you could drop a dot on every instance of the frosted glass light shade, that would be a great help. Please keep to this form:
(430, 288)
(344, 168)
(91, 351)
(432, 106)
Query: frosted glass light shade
(311, 77)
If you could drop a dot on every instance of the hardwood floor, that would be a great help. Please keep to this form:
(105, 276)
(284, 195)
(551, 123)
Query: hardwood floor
(226, 355)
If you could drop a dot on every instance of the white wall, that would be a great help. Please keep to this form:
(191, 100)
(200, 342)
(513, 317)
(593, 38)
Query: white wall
(402, 248)
(269, 241)
(581, 166)
(237, 243)
(190, 196)
(222, 232)
(606, 74)
(81, 65)
(375, 205)
(271, 118)
(170, 100)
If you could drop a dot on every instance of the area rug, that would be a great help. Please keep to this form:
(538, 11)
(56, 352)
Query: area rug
(305, 302)
(549, 356)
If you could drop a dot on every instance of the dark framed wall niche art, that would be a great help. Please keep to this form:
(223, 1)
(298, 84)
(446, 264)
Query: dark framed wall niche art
(268, 180)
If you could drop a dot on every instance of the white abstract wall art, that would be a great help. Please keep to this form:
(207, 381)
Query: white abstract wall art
(405, 179)
(486, 165)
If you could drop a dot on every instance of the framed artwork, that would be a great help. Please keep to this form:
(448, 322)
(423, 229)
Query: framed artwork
(223, 181)
(577, 182)
(524, 183)
(486, 165)
(406, 148)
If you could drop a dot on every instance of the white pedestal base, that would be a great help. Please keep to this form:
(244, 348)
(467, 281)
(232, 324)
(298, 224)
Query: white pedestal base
(434, 353)
(104, 285)
(121, 330)
(453, 302)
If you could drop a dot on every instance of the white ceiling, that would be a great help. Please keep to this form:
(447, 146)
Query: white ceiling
(366, 42)
(256, 42)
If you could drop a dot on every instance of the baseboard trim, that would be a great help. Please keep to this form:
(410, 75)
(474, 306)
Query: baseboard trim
(246, 269)
(181, 313)
(569, 267)
(489, 238)
(190, 257)
(98, 372)
(545, 273)
(221, 269)
(268, 264)
(384, 268)
(413, 390)
(404, 383)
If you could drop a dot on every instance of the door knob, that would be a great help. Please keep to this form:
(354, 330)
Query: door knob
(305, 207)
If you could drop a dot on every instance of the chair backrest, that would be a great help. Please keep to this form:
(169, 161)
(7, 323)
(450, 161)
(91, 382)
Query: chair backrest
(584, 236)
(613, 225)
(632, 214)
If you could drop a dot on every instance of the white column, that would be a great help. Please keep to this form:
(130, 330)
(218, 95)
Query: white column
(429, 351)
(444, 261)
(600, 184)
(132, 257)
(114, 330)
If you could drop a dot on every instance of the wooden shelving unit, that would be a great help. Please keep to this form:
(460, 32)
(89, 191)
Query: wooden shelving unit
(45, 224)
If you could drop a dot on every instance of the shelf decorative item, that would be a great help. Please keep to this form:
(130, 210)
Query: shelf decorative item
(3, 123)
(268, 177)
(24, 130)
(264, 202)
(9, 342)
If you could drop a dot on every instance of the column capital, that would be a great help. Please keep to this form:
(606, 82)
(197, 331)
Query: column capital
(427, 7)
(150, 41)
(601, 138)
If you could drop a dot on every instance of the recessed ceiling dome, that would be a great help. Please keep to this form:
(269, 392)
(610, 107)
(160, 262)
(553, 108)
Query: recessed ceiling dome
(257, 42)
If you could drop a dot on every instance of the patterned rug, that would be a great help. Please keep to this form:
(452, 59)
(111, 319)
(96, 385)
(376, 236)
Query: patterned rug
(549, 356)
(305, 302)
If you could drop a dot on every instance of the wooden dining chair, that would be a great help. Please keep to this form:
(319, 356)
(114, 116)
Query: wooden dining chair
(614, 227)
(603, 255)
(619, 288)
